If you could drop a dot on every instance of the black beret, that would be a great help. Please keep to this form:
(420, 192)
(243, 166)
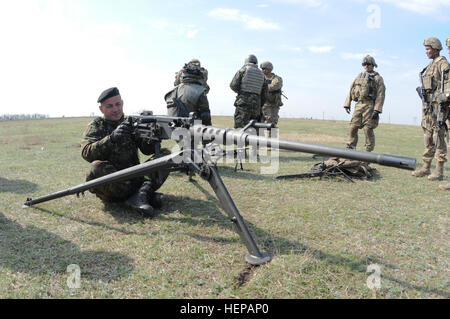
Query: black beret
(106, 94)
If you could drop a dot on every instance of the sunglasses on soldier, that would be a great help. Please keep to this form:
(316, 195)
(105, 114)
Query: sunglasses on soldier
(364, 64)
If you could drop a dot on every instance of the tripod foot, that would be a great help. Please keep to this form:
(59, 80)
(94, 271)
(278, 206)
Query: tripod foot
(257, 260)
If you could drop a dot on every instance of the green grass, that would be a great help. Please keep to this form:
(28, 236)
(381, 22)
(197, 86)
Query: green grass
(322, 234)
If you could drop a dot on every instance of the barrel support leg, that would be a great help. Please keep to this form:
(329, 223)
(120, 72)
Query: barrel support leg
(255, 256)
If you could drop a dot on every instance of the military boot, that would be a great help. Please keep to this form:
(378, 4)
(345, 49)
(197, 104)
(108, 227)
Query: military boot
(140, 202)
(445, 187)
(423, 171)
(438, 173)
(156, 200)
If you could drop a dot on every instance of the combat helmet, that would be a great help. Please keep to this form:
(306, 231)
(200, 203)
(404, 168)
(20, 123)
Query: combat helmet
(194, 61)
(267, 65)
(369, 60)
(433, 43)
(251, 59)
(191, 71)
(447, 42)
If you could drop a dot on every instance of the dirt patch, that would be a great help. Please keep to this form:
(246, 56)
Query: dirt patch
(314, 138)
(245, 276)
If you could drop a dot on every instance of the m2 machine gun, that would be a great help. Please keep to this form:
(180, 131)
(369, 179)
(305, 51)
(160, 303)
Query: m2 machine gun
(192, 137)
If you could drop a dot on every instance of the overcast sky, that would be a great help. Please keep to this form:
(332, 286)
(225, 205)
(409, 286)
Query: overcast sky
(58, 55)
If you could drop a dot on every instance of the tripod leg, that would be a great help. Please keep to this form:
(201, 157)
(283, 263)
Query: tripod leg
(254, 257)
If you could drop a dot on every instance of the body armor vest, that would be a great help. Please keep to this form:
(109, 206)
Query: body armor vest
(253, 79)
(364, 87)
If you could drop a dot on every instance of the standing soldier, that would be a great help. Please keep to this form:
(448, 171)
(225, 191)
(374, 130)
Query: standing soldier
(109, 145)
(202, 80)
(368, 91)
(190, 95)
(273, 102)
(251, 91)
(434, 138)
(445, 98)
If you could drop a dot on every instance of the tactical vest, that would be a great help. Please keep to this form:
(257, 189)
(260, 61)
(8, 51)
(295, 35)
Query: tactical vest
(364, 87)
(431, 76)
(252, 80)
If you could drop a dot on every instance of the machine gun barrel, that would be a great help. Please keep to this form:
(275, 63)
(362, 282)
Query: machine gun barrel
(224, 135)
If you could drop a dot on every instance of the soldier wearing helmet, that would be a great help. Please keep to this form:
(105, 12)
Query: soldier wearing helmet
(204, 74)
(271, 107)
(431, 87)
(368, 91)
(251, 89)
(190, 95)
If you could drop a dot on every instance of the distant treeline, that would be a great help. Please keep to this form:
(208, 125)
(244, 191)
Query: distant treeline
(11, 117)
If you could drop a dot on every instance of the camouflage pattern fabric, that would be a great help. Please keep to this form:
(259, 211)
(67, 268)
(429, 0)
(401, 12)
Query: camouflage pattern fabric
(432, 80)
(369, 95)
(271, 107)
(107, 157)
(247, 108)
(202, 81)
(351, 168)
(248, 105)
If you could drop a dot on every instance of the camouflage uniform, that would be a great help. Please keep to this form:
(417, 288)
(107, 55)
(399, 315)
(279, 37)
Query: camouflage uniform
(251, 88)
(368, 91)
(108, 157)
(447, 95)
(431, 78)
(193, 96)
(273, 102)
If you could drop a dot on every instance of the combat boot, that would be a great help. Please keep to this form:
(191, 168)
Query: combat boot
(423, 171)
(139, 201)
(445, 187)
(156, 200)
(438, 173)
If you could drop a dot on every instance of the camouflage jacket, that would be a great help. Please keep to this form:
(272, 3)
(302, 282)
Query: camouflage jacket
(274, 86)
(367, 87)
(97, 145)
(235, 85)
(431, 76)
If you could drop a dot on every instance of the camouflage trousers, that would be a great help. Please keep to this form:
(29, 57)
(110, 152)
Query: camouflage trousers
(362, 120)
(112, 192)
(270, 113)
(120, 191)
(247, 109)
(440, 154)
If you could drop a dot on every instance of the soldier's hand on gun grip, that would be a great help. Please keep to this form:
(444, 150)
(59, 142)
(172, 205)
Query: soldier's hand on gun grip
(375, 115)
(122, 132)
(347, 109)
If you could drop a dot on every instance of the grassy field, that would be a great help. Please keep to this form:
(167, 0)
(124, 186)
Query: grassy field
(321, 233)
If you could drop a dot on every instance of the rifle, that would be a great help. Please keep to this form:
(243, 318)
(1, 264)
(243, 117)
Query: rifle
(192, 158)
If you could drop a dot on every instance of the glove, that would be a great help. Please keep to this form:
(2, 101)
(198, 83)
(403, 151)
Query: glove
(375, 115)
(442, 98)
(347, 109)
(122, 132)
